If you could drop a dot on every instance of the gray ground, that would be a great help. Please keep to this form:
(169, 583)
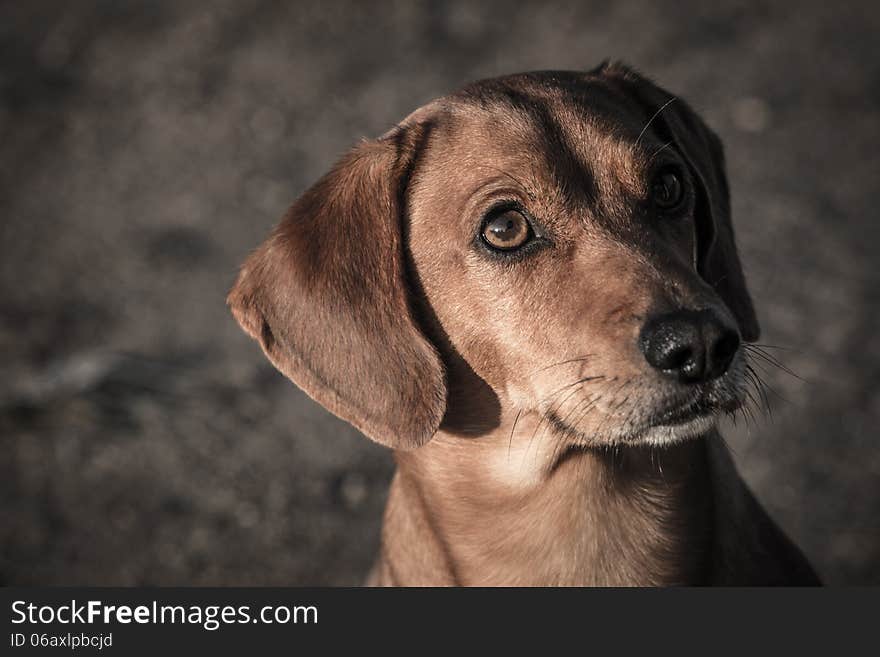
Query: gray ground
(145, 148)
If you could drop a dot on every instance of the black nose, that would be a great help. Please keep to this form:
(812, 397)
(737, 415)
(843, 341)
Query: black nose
(691, 345)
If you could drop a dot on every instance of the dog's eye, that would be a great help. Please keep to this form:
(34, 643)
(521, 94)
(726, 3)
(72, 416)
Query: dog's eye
(506, 230)
(667, 189)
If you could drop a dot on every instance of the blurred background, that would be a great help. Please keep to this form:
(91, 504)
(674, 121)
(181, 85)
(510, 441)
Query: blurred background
(145, 148)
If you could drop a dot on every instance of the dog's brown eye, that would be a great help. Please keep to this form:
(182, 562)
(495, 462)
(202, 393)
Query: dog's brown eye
(506, 230)
(667, 189)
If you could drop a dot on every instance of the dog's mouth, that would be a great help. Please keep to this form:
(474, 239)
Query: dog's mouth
(694, 409)
(685, 420)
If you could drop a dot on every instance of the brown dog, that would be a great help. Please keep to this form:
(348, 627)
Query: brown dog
(530, 291)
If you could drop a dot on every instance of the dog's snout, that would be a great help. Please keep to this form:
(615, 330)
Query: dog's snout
(691, 345)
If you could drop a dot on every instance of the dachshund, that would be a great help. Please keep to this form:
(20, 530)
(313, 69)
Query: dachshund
(530, 291)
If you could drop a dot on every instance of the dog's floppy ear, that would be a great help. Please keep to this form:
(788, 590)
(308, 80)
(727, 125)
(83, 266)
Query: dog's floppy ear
(326, 297)
(716, 255)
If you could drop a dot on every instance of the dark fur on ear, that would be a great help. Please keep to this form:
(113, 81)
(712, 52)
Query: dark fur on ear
(326, 297)
(716, 258)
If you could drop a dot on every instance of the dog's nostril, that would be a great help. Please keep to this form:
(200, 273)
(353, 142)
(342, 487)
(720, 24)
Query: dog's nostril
(723, 351)
(673, 345)
(691, 367)
(676, 358)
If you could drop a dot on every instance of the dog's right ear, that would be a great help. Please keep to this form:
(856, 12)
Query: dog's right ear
(716, 254)
(326, 296)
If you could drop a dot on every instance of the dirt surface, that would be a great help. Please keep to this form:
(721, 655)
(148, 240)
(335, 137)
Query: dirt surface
(146, 148)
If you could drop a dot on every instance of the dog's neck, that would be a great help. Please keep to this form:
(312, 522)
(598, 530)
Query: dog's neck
(483, 511)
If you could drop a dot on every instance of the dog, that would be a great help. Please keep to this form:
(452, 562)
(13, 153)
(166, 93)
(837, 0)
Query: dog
(530, 291)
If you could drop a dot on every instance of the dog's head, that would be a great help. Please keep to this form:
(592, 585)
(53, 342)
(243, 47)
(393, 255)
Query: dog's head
(554, 243)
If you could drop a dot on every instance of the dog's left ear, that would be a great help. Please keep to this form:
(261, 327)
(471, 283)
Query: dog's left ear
(327, 297)
(716, 255)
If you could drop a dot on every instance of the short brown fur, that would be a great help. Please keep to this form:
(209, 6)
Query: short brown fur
(526, 425)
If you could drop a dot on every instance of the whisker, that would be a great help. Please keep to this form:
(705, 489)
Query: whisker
(584, 409)
(565, 362)
(551, 410)
(560, 439)
(770, 346)
(760, 386)
(727, 445)
(732, 416)
(751, 398)
(620, 388)
(585, 379)
(771, 360)
(651, 120)
(768, 387)
(747, 416)
(657, 152)
(510, 440)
